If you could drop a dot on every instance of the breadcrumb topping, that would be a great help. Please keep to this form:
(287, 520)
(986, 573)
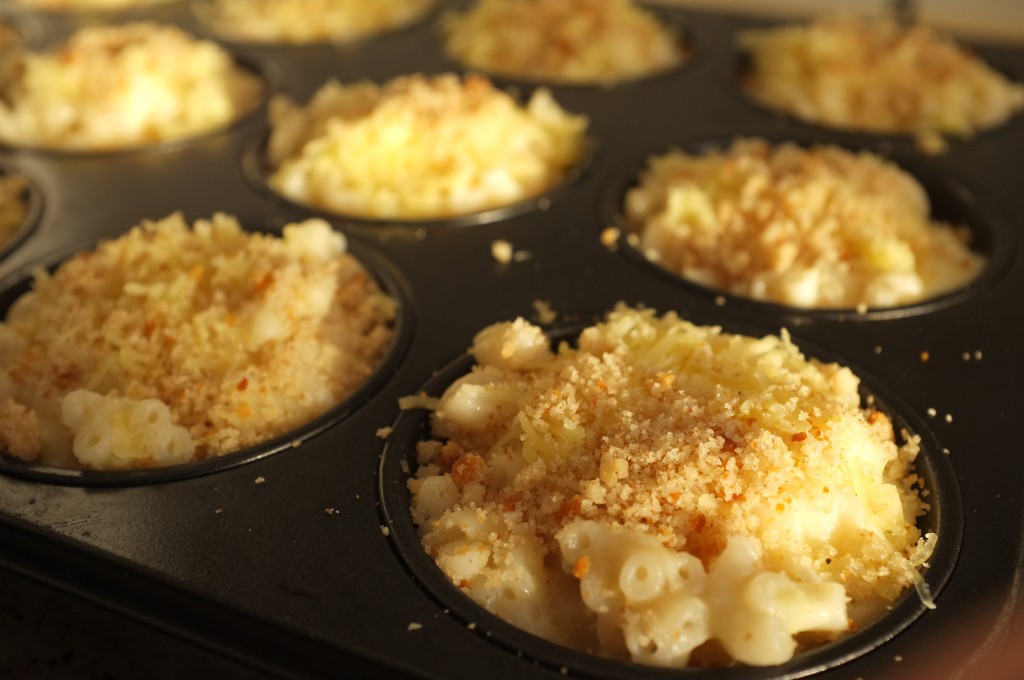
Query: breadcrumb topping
(806, 227)
(572, 41)
(876, 75)
(420, 147)
(241, 336)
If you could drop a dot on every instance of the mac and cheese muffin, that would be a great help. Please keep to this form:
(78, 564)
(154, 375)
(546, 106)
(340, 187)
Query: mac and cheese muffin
(83, 5)
(111, 87)
(307, 21)
(13, 206)
(420, 147)
(666, 491)
(562, 41)
(806, 227)
(171, 344)
(876, 75)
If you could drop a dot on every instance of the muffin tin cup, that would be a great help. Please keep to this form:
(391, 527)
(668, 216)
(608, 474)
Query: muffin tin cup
(951, 201)
(945, 518)
(377, 266)
(303, 561)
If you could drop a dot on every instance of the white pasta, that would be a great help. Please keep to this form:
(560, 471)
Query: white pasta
(116, 433)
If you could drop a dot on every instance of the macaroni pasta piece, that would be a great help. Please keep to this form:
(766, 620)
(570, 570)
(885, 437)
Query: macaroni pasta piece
(668, 493)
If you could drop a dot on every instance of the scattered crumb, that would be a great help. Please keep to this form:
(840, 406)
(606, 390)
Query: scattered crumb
(384, 432)
(610, 237)
(563, 670)
(931, 143)
(405, 467)
(949, 417)
(966, 356)
(501, 251)
(925, 356)
(878, 349)
(977, 355)
(295, 443)
(543, 203)
(218, 511)
(416, 401)
(331, 511)
(945, 451)
(932, 413)
(720, 300)
(414, 626)
(471, 625)
(261, 479)
(384, 530)
(545, 314)
(420, 234)
(897, 658)
(861, 308)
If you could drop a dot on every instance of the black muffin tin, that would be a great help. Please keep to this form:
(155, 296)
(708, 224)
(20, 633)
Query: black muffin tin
(299, 558)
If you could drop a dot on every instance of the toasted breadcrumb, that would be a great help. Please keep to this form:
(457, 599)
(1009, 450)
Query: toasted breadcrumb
(501, 251)
(242, 337)
(876, 75)
(575, 41)
(806, 227)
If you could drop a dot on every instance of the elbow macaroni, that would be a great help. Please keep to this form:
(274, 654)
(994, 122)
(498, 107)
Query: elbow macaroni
(665, 491)
(114, 433)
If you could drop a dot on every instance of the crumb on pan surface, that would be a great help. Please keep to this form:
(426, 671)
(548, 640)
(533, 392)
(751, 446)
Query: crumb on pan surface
(806, 227)
(174, 343)
(306, 21)
(13, 206)
(668, 493)
(117, 86)
(569, 41)
(420, 147)
(875, 75)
